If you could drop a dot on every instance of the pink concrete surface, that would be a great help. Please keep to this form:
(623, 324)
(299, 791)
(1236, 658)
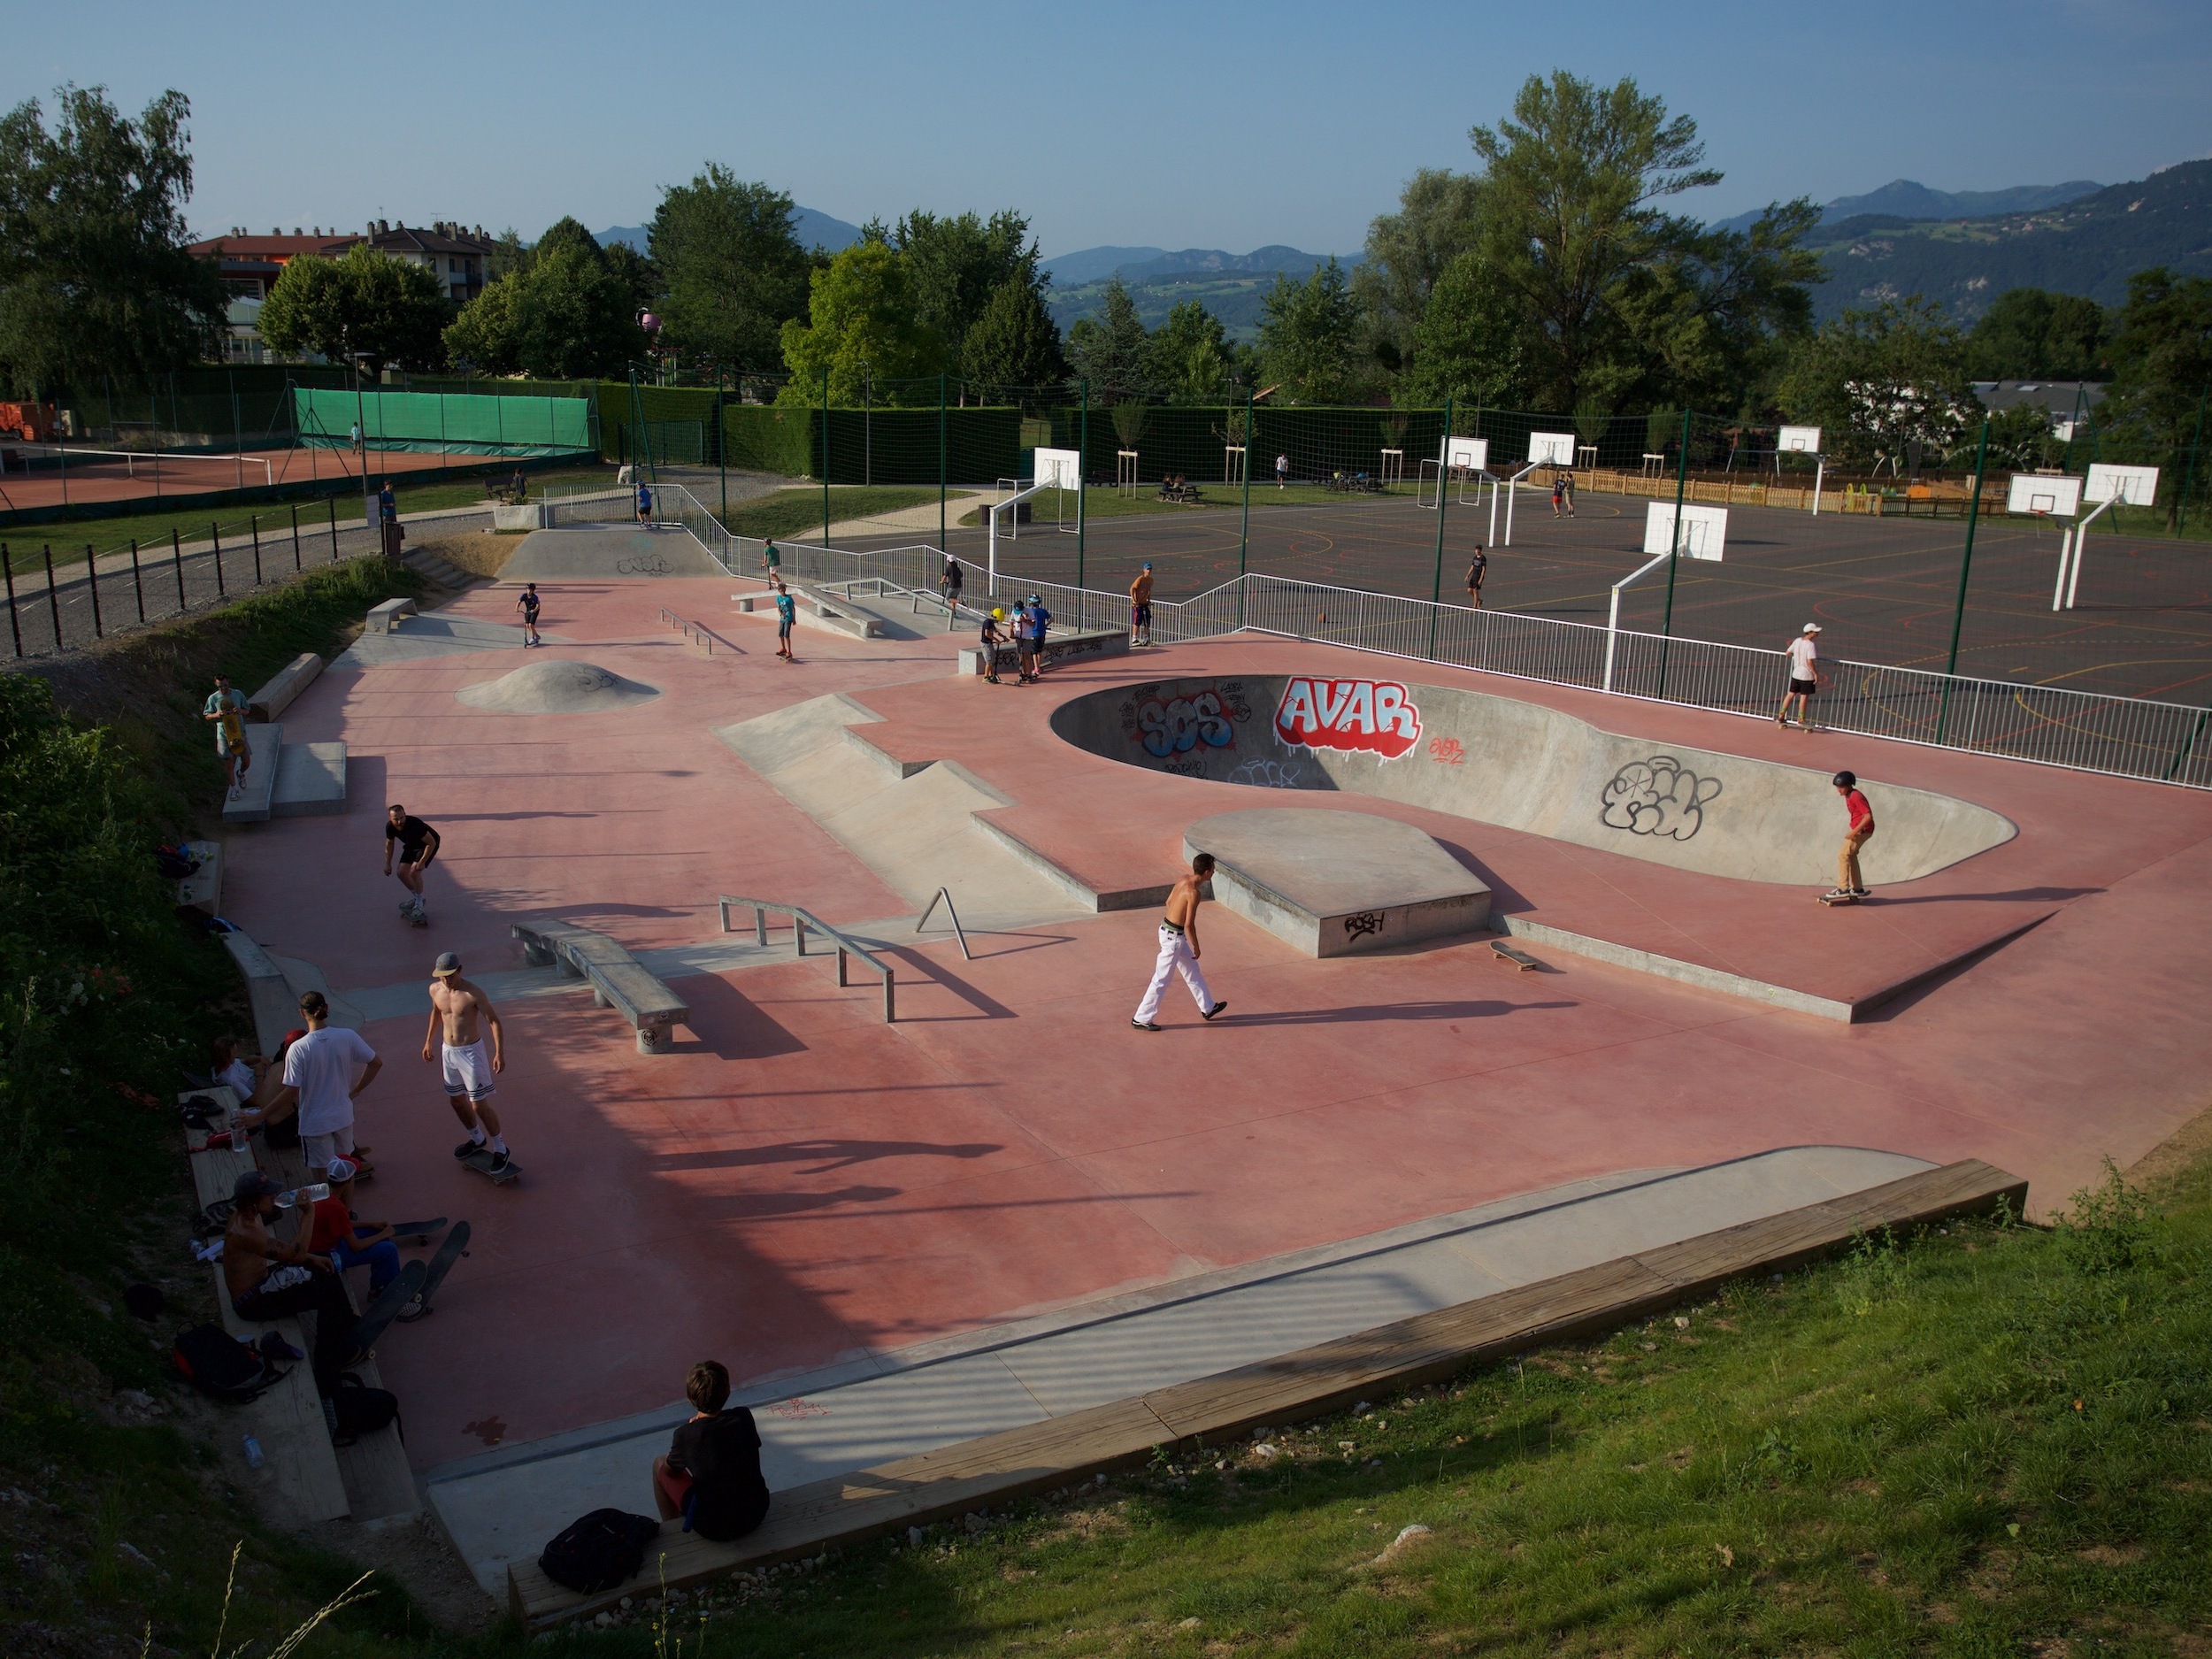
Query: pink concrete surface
(799, 1182)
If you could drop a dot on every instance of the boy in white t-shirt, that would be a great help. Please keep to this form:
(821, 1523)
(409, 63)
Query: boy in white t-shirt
(1805, 677)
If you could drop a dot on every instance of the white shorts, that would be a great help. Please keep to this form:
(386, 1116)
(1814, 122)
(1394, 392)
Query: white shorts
(468, 1070)
(316, 1151)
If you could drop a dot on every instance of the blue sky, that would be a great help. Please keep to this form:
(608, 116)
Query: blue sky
(1175, 125)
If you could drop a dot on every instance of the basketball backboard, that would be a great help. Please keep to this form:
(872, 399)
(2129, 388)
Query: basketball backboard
(1799, 441)
(1704, 530)
(1471, 453)
(1062, 467)
(2134, 486)
(2044, 493)
(1551, 449)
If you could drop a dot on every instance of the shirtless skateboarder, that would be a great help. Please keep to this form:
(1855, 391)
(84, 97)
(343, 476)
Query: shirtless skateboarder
(456, 1006)
(1179, 948)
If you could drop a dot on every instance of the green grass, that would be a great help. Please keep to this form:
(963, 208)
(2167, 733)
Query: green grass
(151, 530)
(797, 512)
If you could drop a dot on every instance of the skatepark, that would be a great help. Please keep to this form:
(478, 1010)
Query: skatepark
(1004, 1204)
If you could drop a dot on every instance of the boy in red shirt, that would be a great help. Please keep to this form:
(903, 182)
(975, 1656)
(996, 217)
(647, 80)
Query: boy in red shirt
(334, 1231)
(1849, 883)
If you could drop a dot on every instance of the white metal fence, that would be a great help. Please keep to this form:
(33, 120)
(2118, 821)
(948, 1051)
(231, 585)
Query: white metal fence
(2133, 737)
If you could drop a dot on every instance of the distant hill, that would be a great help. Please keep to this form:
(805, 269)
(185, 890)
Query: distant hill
(1232, 286)
(2089, 244)
(814, 228)
(1903, 198)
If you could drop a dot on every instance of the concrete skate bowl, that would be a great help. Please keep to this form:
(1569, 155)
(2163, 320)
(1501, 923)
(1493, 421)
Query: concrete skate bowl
(560, 685)
(1522, 766)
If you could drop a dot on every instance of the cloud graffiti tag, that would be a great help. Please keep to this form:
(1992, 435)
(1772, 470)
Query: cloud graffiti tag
(1658, 796)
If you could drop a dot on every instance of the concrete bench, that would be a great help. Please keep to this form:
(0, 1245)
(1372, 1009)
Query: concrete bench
(1072, 647)
(283, 686)
(202, 889)
(276, 1008)
(257, 787)
(384, 618)
(617, 982)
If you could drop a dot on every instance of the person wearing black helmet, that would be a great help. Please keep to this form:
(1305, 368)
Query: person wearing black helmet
(1850, 883)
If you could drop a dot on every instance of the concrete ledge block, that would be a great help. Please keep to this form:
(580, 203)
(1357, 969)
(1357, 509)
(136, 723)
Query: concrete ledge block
(385, 618)
(286, 684)
(529, 515)
(251, 804)
(310, 780)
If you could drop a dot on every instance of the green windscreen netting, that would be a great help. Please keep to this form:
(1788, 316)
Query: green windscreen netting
(454, 422)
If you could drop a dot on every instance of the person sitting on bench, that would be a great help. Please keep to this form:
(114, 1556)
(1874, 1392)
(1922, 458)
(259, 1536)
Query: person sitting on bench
(711, 1474)
(335, 1230)
(274, 1110)
(269, 1280)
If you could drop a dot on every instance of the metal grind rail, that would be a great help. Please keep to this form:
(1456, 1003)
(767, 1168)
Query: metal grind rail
(803, 919)
(699, 635)
(2082, 731)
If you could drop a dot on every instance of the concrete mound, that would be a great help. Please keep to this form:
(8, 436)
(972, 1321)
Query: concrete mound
(557, 687)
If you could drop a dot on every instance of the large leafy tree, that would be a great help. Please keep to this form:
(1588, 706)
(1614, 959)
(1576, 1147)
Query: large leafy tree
(392, 309)
(1888, 384)
(1310, 336)
(1408, 252)
(2032, 334)
(1192, 358)
(2162, 356)
(568, 313)
(1014, 341)
(94, 276)
(731, 271)
(862, 332)
(1466, 343)
(958, 264)
(1113, 351)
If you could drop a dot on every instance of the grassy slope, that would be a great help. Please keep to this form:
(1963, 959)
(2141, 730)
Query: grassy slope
(797, 512)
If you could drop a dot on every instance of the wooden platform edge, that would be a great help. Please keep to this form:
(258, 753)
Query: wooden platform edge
(993, 1469)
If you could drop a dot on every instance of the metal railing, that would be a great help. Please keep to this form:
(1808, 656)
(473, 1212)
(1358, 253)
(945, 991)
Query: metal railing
(2132, 737)
(944, 896)
(803, 919)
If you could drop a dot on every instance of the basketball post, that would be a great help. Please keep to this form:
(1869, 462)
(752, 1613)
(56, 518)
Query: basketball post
(1436, 587)
(1244, 524)
(1674, 548)
(1083, 456)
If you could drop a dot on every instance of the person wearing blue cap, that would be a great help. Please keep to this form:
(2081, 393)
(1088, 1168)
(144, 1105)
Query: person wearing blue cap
(1141, 607)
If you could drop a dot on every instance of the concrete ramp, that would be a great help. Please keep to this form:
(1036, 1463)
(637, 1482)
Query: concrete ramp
(914, 823)
(608, 553)
(1524, 766)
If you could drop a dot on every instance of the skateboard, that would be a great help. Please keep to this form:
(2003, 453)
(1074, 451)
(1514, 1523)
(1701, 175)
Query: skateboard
(1515, 955)
(420, 1232)
(386, 1307)
(1834, 899)
(453, 1249)
(481, 1161)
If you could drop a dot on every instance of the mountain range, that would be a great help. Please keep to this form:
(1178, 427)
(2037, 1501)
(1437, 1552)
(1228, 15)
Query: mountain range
(1904, 199)
(814, 228)
(1232, 286)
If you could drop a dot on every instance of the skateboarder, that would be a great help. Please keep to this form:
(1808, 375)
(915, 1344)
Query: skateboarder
(226, 711)
(1025, 642)
(787, 613)
(334, 1230)
(269, 1280)
(991, 639)
(528, 605)
(417, 845)
(1805, 677)
(948, 585)
(774, 560)
(1040, 619)
(711, 1473)
(644, 504)
(1179, 948)
(1478, 567)
(1850, 884)
(456, 1007)
(1141, 607)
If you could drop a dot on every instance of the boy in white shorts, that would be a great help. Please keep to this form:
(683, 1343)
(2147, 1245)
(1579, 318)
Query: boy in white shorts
(456, 1005)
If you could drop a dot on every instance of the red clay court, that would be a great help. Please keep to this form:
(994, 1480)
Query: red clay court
(799, 1182)
(110, 476)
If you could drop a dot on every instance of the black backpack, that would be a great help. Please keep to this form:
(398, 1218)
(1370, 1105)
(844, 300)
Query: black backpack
(357, 1409)
(600, 1551)
(219, 1365)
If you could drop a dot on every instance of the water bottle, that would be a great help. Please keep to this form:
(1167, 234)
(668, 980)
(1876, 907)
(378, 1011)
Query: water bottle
(253, 1452)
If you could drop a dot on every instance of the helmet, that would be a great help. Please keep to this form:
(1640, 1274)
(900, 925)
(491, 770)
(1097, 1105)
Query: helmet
(1846, 781)
(998, 613)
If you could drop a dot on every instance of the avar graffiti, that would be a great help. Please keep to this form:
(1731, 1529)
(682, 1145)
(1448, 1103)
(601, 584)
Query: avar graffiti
(1658, 796)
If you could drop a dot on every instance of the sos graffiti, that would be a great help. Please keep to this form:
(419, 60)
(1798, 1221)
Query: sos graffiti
(1175, 725)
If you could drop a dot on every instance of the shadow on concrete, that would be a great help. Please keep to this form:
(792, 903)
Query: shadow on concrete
(1379, 1012)
(827, 1156)
(728, 1026)
(2019, 895)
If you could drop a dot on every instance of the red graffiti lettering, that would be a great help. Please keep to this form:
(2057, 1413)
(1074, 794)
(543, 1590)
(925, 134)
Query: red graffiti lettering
(1374, 716)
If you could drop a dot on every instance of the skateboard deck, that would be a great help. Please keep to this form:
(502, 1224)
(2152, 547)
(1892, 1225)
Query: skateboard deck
(424, 1231)
(1514, 953)
(386, 1307)
(1833, 899)
(453, 1249)
(481, 1161)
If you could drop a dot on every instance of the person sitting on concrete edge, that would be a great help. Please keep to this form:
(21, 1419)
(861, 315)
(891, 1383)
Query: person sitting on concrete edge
(711, 1473)
(267, 1279)
(266, 1108)
(335, 1230)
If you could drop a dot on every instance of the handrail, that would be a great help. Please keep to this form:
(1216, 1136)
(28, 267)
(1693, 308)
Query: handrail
(803, 919)
(697, 633)
(958, 931)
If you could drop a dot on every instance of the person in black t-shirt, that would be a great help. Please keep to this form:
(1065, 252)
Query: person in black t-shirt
(417, 845)
(711, 1473)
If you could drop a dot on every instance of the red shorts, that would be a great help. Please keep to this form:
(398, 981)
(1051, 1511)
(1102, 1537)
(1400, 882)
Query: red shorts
(675, 1487)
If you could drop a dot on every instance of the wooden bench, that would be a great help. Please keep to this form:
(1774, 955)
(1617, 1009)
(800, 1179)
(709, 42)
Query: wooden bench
(997, 1469)
(202, 889)
(385, 618)
(617, 982)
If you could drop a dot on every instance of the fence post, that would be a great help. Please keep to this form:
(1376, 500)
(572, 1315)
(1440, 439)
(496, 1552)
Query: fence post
(2189, 473)
(53, 601)
(1674, 547)
(254, 519)
(1436, 587)
(1244, 525)
(941, 538)
(176, 562)
(92, 582)
(137, 587)
(824, 457)
(215, 534)
(7, 569)
(296, 565)
(1966, 566)
(333, 529)
(1082, 460)
(721, 458)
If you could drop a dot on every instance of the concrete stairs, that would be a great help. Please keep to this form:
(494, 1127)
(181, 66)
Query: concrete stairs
(431, 568)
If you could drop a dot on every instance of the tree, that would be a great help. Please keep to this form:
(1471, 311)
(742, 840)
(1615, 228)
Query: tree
(1191, 356)
(1014, 342)
(733, 273)
(1467, 343)
(862, 331)
(393, 311)
(958, 263)
(568, 317)
(1890, 383)
(94, 275)
(1113, 352)
(2032, 334)
(484, 336)
(1438, 219)
(1310, 335)
(2162, 358)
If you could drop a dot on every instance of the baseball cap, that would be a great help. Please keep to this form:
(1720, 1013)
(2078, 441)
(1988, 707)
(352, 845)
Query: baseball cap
(1812, 628)
(447, 965)
(252, 1183)
(341, 1168)
(1148, 563)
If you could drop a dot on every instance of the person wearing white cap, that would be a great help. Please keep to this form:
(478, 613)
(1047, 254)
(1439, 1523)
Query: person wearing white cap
(1805, 676)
